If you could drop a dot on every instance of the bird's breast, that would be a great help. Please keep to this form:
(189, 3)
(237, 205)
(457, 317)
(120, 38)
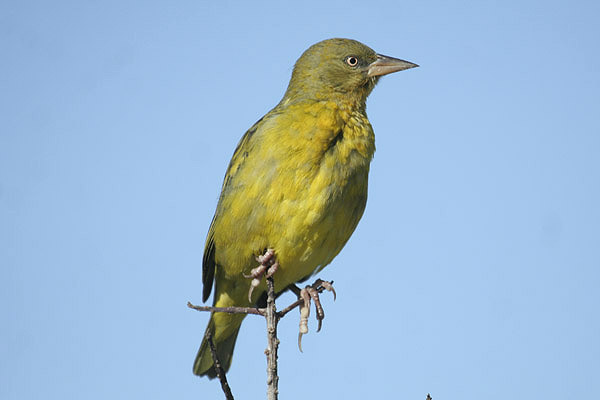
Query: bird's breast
(301, 192)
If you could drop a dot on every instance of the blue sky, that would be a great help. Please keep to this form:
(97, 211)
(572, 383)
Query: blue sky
(474, 272)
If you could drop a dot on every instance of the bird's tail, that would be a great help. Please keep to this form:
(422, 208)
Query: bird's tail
(224, 329)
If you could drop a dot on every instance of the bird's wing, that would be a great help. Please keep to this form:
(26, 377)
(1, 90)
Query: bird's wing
(208, 264)
(208, 261)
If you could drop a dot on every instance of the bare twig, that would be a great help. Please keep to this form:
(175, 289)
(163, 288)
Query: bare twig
(272, 317)
(220, 372)
(272, 342)
(229, 310)
(289, 308)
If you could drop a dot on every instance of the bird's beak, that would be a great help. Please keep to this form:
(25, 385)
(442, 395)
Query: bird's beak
(386, 65)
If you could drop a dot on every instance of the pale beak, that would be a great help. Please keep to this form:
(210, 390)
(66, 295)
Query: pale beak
(386, 65)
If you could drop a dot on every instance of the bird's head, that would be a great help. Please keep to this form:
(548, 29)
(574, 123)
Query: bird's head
(340, 69)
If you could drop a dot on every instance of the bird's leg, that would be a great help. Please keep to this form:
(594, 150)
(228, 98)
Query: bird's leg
(314, 290)
(306, 294)
(267, 268)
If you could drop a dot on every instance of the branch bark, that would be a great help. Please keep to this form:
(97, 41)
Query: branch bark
(272, 343)
(220, 372)
(229, 310)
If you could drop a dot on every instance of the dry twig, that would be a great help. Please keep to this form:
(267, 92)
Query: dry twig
(272, 317)
(272, 342)
(218, 368)
(229, 310)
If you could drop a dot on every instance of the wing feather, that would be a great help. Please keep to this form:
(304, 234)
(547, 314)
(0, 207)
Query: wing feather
(208, 261)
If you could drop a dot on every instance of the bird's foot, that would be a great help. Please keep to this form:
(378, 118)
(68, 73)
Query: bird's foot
(267, 267)
(306, 294)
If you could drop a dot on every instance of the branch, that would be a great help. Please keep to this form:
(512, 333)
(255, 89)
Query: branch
(218, 368)
(229, 310)
(272, 342)
(272, 316)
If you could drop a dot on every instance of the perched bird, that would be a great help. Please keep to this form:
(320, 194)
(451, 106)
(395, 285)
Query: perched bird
(297, 184)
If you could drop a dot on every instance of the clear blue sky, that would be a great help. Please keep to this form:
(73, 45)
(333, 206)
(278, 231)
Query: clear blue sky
(474, 274)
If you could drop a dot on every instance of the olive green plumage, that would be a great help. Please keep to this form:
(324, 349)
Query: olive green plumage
(297, 183)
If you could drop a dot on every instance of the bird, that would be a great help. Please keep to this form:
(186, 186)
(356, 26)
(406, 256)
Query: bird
(296, 186)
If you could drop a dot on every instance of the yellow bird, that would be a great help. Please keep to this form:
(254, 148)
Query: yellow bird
(297, 183)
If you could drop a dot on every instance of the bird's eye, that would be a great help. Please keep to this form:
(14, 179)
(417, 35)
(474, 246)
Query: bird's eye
(352, 61)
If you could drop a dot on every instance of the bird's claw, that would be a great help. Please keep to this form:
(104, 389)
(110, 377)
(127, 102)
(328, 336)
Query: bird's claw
(267, 268)
(326, 285)
(306, 294)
